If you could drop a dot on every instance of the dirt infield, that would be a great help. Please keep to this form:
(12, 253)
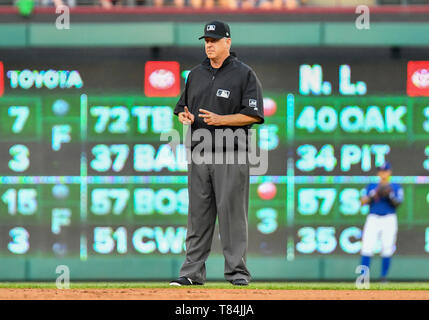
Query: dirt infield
(209, 294)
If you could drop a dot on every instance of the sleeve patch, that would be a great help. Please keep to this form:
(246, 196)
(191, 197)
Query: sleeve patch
(253, 103)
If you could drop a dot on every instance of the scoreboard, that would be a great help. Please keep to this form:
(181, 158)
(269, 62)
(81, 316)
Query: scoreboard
(85, 173)
(337, 144)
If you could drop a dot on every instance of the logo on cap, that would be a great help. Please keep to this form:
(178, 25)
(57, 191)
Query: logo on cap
(211, 27)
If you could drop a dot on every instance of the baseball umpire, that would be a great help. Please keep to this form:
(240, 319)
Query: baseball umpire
(221, 93)
(381, 223)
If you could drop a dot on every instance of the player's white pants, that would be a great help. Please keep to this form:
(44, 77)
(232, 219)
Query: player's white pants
(378, 227)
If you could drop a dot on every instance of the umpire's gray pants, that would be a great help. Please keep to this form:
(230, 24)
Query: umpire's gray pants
(221, 189)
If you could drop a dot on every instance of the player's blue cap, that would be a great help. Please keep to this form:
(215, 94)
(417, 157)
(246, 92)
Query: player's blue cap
(384, 167)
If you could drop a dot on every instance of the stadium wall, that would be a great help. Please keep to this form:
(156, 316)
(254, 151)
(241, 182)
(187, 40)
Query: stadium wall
(262, 268)
(164, 34)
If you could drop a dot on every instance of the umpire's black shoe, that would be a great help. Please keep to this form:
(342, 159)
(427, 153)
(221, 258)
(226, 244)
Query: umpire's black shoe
(240, 282)
(183, 281)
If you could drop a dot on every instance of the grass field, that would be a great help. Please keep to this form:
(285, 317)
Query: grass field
(223, 285)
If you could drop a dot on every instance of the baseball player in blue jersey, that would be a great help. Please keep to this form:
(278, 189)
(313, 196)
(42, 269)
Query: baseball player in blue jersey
(381, 223)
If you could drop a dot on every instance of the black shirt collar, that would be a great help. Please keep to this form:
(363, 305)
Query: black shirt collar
(227, 61)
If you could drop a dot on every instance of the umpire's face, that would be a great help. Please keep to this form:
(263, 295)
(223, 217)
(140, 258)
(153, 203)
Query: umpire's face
(217, 48)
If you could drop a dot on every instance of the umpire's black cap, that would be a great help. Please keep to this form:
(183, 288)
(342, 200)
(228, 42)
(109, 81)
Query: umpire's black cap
(216, 30)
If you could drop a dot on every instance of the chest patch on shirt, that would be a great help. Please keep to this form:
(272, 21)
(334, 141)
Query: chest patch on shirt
(223, 93)
(253, 103)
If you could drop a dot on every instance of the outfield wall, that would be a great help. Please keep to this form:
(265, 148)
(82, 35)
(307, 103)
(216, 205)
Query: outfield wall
(165, 34)
(164, 268)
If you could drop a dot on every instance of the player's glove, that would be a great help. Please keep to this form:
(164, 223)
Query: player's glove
(384, 191)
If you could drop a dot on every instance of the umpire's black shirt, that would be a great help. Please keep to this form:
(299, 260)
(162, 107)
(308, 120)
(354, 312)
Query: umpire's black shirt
(232, 88)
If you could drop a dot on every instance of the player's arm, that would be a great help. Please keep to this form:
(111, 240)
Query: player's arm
(365, 200)
(370, 196)
(396, 198)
